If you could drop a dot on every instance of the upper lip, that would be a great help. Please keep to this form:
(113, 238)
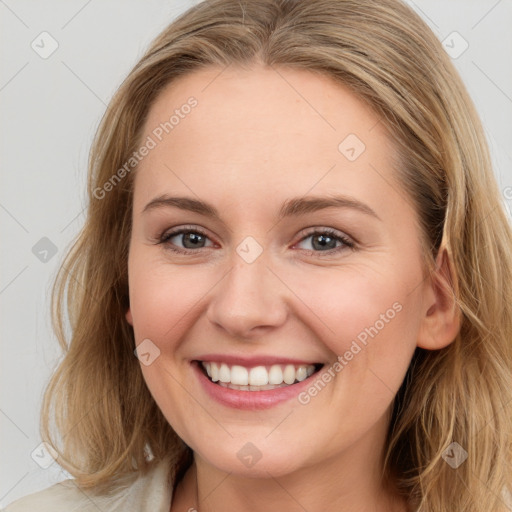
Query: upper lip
(262, 360)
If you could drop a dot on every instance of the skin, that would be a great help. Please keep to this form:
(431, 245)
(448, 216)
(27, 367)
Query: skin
(257, 138)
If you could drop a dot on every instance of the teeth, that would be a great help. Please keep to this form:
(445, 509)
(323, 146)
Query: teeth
(239, 376)
(289, 374)
(214, 370)
(301, 373)
(224, 373)
(257, 378)
(275, 375)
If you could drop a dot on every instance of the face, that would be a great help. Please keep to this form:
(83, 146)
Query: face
(277, 283)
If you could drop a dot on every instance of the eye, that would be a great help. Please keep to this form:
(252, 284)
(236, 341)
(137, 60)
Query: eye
(191, 239)
(325, 240)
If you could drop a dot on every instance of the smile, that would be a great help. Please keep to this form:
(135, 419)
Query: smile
(257, 378)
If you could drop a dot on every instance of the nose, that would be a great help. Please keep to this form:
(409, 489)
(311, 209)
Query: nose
(249, 300)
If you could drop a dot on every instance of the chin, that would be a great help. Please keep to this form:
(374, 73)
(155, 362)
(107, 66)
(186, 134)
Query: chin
(246, 459)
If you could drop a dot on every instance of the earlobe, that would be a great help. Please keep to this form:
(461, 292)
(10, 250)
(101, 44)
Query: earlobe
(128, 316)
(442, 318)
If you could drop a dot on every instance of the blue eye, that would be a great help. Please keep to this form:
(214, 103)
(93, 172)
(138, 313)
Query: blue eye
(327, 238)
(321, 239)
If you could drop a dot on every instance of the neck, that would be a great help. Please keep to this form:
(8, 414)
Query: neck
(314, 493)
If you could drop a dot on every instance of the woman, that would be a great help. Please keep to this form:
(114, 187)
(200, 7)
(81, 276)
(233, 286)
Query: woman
(295, 228)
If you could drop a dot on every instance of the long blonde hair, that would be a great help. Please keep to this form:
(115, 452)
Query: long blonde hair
(104, 414)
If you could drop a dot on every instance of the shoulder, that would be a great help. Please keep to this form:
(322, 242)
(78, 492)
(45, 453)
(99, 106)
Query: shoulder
(149, 492)
(61, 496)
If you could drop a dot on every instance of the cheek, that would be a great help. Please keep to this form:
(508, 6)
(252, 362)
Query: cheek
(161, 297)
(359, 305)
(370, 325)
(369, 319)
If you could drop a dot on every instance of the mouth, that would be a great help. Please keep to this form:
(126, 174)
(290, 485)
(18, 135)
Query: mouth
(257, 378)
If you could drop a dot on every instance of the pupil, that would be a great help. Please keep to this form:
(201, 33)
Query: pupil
(323, 243)
(194, 236)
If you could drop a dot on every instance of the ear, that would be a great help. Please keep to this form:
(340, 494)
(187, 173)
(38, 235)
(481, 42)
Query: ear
(129, 317)
(442, 317)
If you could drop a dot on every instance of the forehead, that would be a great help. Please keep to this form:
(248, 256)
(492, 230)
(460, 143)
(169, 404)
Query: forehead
(263, 100)
(262, 132)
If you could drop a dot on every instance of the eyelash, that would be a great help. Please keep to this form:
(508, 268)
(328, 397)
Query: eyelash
(347, 243)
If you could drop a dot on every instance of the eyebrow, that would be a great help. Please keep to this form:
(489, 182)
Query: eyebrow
(291, 207)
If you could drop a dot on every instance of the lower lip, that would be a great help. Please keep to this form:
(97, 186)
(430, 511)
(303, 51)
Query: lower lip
(250, 400)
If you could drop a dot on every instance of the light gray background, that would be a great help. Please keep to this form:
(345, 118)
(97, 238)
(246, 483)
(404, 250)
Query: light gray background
(50, 109)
